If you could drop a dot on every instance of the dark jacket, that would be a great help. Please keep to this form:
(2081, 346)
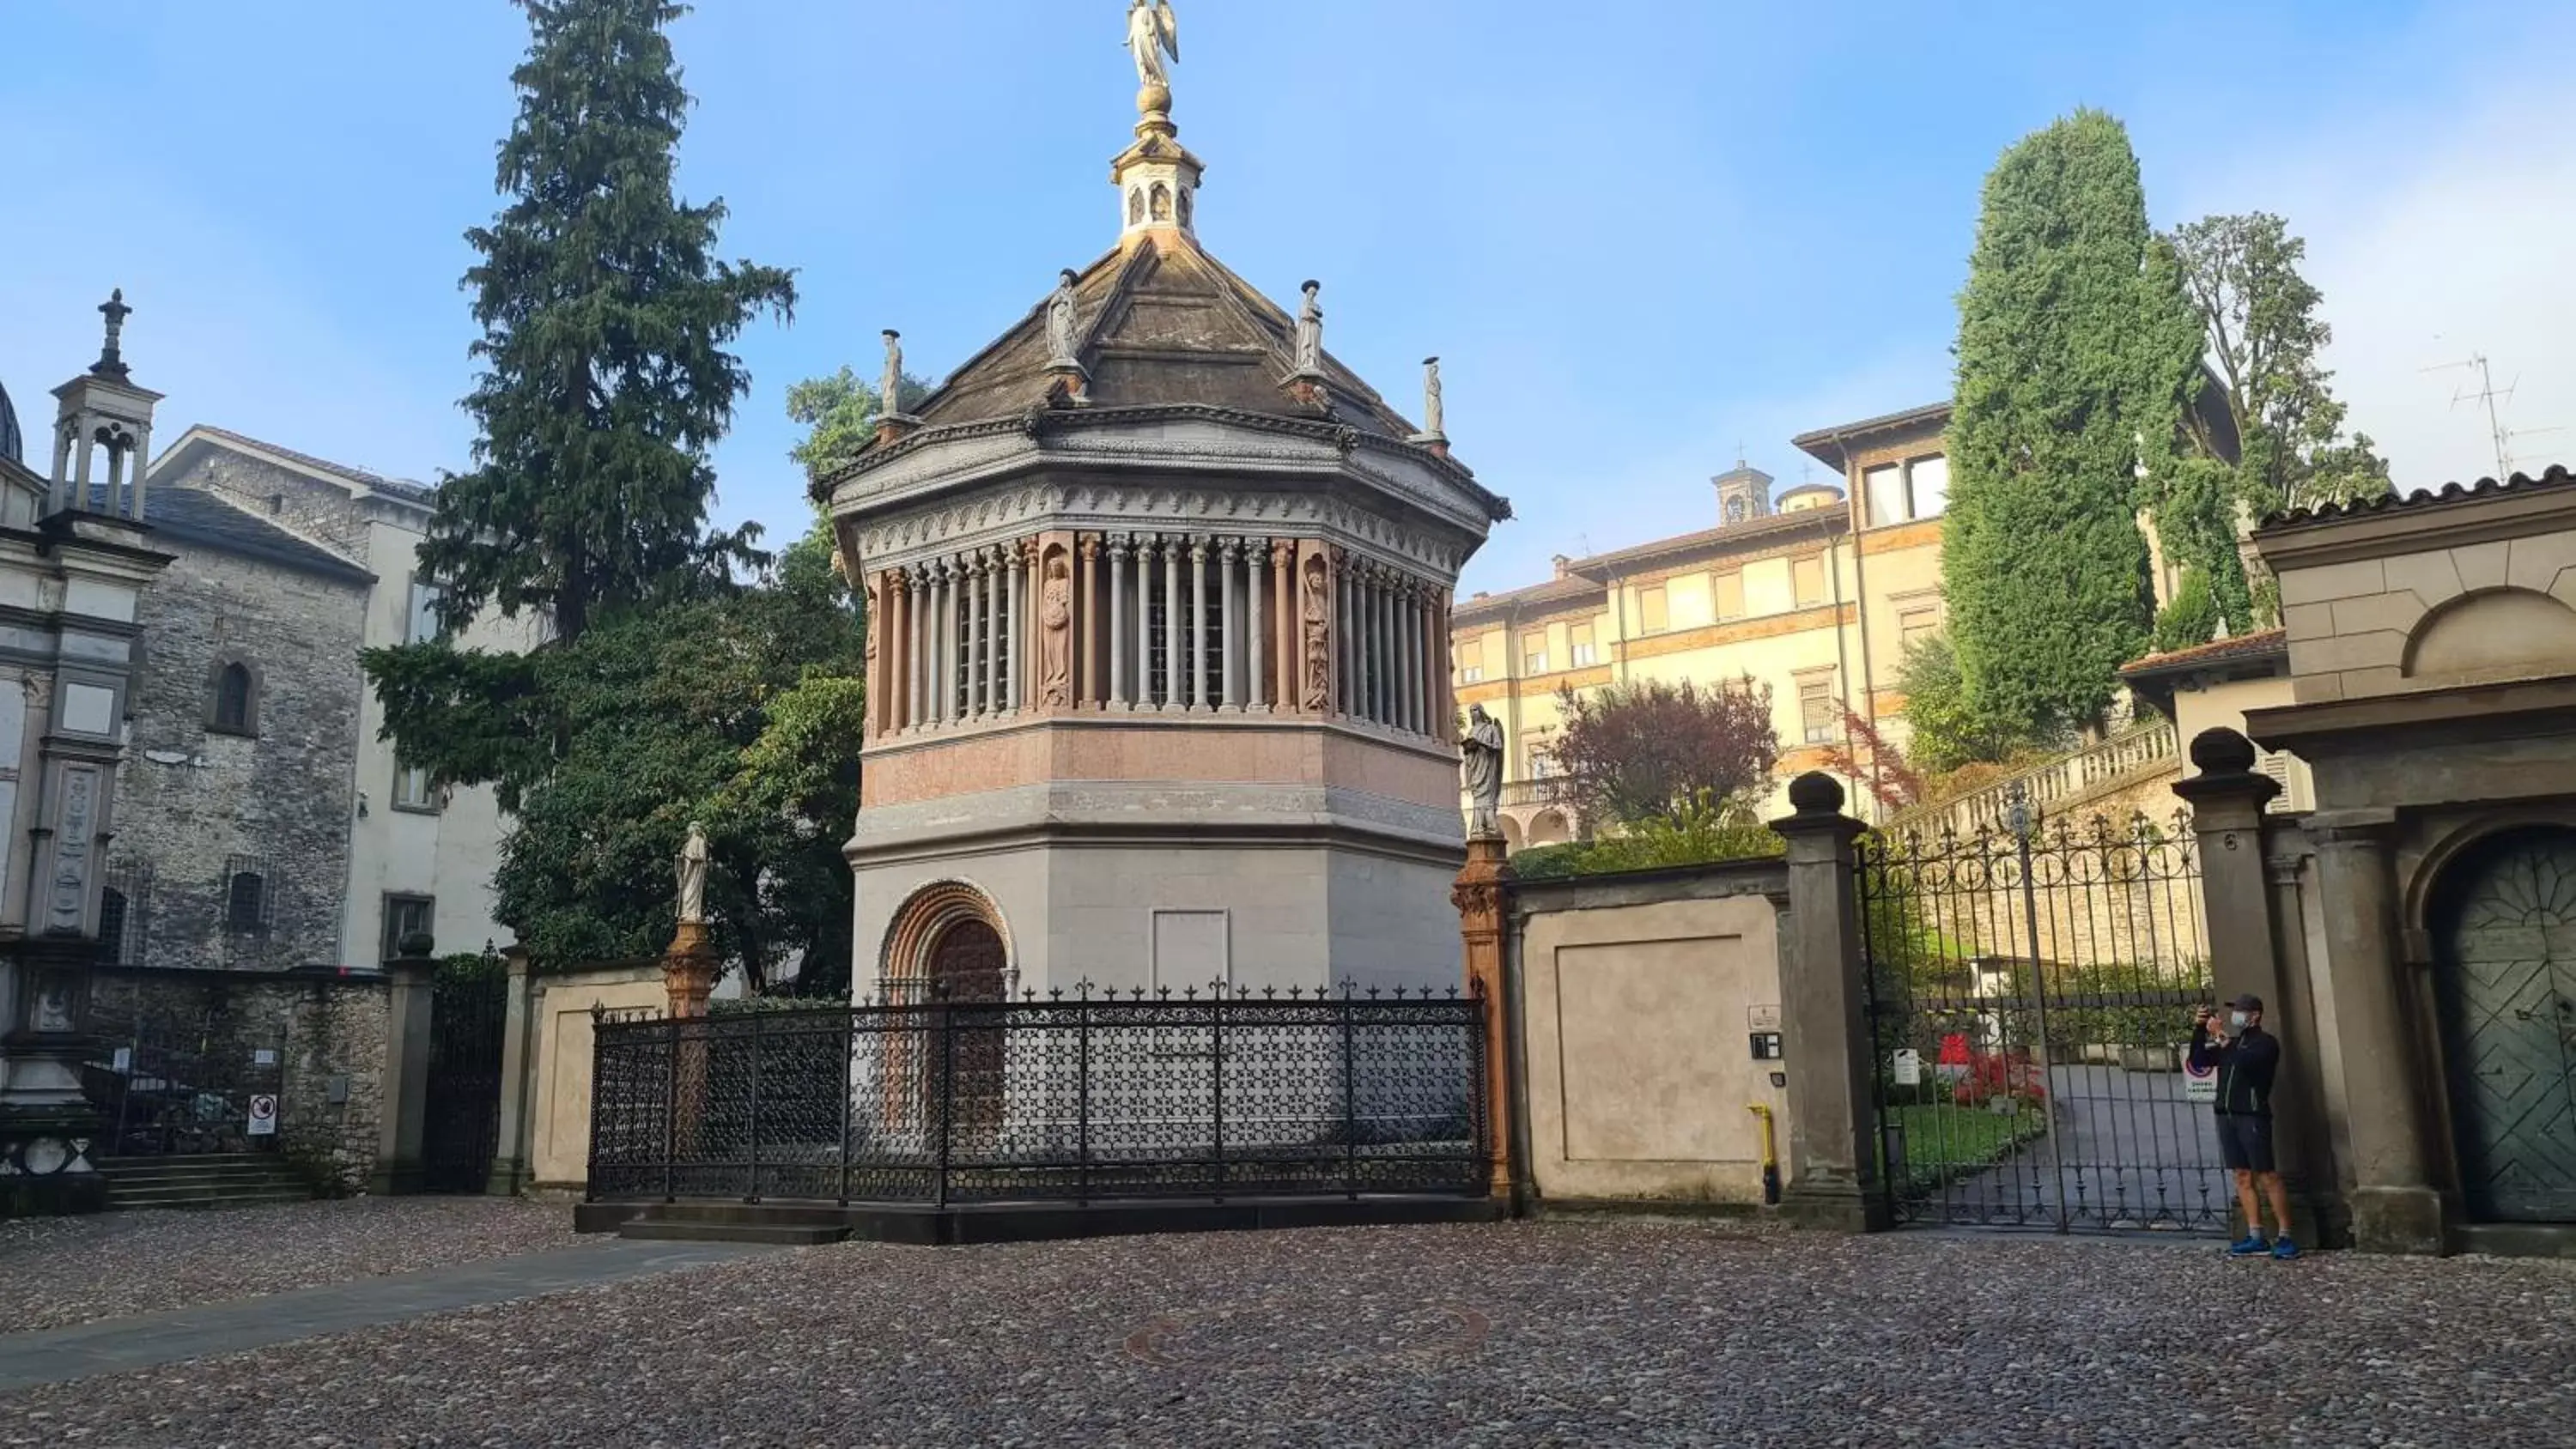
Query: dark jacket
(2245, 1067)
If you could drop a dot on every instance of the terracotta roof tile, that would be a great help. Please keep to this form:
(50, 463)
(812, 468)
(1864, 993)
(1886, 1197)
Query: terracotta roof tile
(2243, 646)
(2555, 476)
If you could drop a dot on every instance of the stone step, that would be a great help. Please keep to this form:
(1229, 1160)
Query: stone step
(180, 1198)
(780, 1234)
(181, 1172)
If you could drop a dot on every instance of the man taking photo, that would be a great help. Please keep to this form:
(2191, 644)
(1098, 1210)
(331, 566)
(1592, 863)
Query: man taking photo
(2246, 1058)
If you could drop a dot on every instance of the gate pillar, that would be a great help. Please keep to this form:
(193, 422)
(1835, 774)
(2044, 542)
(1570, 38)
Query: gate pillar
(1824, 1025)
(2227, 798)
(1482, 896)
(405, 1108)
(518, 1052)
(2395, 1207)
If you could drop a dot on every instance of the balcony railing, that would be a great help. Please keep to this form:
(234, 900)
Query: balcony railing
(2078, 773)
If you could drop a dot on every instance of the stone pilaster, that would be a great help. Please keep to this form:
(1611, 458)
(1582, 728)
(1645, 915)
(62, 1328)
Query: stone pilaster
(1483, 898)
(518, 1057)
(1833, 1161)
(2395, 1208)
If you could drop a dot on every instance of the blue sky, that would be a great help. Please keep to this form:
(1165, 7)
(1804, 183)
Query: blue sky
(1637, 231)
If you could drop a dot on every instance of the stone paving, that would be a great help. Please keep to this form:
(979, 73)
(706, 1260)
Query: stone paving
(1552, 1333)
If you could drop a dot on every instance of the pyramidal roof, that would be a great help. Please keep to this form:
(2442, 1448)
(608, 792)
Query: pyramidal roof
(1160, 322)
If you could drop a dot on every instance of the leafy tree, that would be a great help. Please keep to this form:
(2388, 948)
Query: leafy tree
(2263, 336)
(1647, 749)
(1871, 758)
(840, 415)
(1949, 728)
(2043, 563)
(2190, 618)
(605, 318)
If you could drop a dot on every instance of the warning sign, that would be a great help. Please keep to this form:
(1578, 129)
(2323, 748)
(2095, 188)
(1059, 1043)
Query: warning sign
(2199, 1084)
(1909, 1067)
(263, 1114)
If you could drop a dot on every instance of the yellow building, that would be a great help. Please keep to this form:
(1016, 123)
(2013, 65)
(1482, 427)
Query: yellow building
(1813, 592)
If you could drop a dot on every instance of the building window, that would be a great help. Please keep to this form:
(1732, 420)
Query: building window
(412, 790)
(248, 905)
(235, 708)
(406, 916)
(1471, 661)
(1808, 575)
(1536, 757)
(1816, 715)
(1884, 487)
(1727, 593)
(1578, 645)
(1534, 652)
(1652, 616)
(420, 621)
(1927, 486)
(1913, 626)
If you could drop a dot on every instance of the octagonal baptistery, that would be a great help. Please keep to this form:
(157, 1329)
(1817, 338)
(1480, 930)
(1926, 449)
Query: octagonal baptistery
(1157, 599)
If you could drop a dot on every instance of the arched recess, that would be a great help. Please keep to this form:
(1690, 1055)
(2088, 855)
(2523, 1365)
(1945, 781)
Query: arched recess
(2503, 933)
(2494, 633)
(923, 927)
(1513, 837)
(1548, 827)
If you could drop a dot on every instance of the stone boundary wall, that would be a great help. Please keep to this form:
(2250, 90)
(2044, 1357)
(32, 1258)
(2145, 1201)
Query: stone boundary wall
(559, 1047)
(1635, 999)
(327, 1027)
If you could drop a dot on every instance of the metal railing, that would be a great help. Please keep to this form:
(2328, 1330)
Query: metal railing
(1067, 1096)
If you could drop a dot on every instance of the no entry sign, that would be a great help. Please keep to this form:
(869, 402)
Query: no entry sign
(263, 1114)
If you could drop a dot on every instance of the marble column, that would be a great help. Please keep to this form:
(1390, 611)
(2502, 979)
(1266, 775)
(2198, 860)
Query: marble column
(1198, 623)
(1118, 621)
(1015, 631)
(1175, 651)
(1144, 620)
(1229, 624)
(1256, 683)
(977, 578)
(1089, 669)
(1284, 659)
(916, 659)
(1413, 710)
(2395, 1208)
(1345, 694)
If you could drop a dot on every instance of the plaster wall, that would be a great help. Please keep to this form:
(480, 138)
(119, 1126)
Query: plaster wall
(559, 1119)
(1640, 1070)
(2430, 616)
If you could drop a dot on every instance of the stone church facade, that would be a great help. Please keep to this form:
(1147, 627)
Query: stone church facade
(1158, 597)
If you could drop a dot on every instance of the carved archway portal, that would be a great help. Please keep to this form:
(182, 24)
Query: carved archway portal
(945, 955)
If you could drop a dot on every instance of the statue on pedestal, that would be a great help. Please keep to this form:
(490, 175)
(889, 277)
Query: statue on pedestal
(1481, 758)
(693, 877)
(1152, 34)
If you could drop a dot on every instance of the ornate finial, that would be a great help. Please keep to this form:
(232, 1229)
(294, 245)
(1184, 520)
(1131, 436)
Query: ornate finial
(1152, 36)
(110, 363)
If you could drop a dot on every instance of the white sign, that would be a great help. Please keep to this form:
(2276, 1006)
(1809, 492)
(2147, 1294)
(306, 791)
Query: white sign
(2199, 1084)
(1909, 1067)
(1764, 1018)
(263, 1057)
(263, 1115)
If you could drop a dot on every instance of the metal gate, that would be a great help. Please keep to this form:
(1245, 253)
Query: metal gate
(167, 1091)
(2509, 1006)
(2031, 995)
(462, 1130)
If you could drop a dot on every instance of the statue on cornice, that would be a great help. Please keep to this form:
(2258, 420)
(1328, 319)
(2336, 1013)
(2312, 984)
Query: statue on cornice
(1060, 320)
(890, 388)
(1152, 34)
(1310, 332)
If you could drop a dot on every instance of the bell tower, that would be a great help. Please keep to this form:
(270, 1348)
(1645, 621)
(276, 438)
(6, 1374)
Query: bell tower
(102, 431)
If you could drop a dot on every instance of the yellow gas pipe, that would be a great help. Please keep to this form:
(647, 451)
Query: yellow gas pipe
(1770, 1154)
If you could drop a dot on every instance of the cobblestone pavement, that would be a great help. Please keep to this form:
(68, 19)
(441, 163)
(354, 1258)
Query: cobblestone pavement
(1562, 1333)
(59, 1271)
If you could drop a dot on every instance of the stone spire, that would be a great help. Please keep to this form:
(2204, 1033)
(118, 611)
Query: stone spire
(102, 431)
(1157, 178)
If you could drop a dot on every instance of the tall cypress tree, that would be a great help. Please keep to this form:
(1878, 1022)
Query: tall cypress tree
(605, 321)
(2043, 563)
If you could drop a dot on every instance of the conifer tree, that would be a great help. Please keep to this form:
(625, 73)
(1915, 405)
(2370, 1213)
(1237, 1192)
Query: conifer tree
(2043, 563)
(605, 321)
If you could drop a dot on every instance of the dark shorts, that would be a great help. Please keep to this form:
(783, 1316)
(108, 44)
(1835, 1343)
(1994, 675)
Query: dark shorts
(2245, 1143)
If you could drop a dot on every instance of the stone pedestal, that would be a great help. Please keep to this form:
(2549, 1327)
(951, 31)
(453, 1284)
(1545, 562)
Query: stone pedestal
(48, 1130)
(1824, 1023)
(1483, 897)
(405, 1107)
(690, 969)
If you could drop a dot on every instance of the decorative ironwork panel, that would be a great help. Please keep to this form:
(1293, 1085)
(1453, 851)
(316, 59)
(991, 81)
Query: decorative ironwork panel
(461, 1126)
(1082, 1097)
(2031, 997)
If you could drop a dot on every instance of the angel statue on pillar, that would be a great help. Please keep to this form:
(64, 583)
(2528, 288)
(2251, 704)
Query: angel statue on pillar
(1152, 34)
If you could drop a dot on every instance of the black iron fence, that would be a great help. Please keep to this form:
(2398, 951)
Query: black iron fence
(1068, 1096)
(2031, 998)
(171, 1092)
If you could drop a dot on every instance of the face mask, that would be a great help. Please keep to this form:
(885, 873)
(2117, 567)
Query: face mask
(2236, 1021)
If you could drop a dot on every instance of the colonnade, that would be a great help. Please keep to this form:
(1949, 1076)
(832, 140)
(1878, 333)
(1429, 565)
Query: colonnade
(1156, 623)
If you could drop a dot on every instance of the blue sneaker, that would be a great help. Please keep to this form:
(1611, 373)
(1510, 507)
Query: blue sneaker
(2285, 1250)
(2250, 1245)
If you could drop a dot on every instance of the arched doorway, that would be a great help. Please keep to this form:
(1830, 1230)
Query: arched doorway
(2507, 930)
(968, 965)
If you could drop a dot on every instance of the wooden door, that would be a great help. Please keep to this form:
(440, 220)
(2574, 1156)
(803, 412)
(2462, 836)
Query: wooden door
(2509, 978)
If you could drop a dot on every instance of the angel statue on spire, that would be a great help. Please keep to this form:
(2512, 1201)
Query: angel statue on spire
(1153, 35)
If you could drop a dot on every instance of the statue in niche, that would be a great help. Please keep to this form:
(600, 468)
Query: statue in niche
(1055, 686)
(1481, 760)
(1318, 616)
(1162, 202)
(1135, 206)
(1310, 331)
(693, 877)
(1060, 320)
(1182, 201)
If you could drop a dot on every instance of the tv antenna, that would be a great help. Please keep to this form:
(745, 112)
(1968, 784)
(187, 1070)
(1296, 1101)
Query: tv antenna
(2487, 394)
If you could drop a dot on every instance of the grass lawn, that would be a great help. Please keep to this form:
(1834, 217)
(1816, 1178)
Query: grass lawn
(1942, 1139)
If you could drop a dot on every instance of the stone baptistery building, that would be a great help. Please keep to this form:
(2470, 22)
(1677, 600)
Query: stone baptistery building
(1158, 598)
